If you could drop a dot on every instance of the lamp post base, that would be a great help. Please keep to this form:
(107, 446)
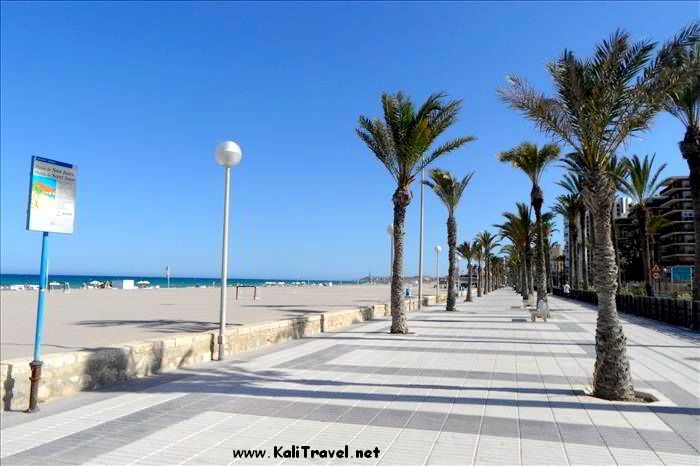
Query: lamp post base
(220, 341)
(34, 387)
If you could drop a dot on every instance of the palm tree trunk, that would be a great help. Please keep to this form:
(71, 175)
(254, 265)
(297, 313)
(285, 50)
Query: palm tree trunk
(469, 282)
(487, 275)
(612, 379)
(642, 220)
(526, 284)
(452, 263)
(478, 280)
(613, 233)
(548, 268)
(584, 255)
(399, 323)
(537, 198)
(690, 148)
(573, 246)
(530, 275)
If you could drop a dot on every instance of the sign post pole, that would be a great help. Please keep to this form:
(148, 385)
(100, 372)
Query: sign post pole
(35, 365)
(51, 209)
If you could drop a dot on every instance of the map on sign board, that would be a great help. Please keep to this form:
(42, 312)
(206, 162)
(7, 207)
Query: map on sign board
(51, 196)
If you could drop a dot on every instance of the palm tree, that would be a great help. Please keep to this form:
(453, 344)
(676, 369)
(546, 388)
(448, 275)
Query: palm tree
(684, 104)
(568, 206)
(513, 263)
(654, 225)
(518, 229)
(547, 230)
(465, 250)
(495, 265)
(449, 190)
(599, 103)
(533, 161)
(478, 257)
(403, 142)
(488, 242)
(618, 170)
(642, 183)
(572, 183)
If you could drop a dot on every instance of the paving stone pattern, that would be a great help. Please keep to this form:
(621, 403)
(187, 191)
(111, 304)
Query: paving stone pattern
(477, 386)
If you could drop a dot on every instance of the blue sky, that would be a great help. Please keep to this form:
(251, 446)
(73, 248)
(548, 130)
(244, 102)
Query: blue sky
(139, 94)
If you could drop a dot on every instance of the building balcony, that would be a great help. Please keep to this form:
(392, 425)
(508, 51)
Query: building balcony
(679, 228)
(684, 208)
(675, 185)
(675, 250)
(677, 242)
(676, 197)
(677, 216)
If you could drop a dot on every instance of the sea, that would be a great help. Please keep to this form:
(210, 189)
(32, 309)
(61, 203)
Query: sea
(76, 281)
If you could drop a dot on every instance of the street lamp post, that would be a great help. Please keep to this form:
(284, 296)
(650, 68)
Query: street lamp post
(420, 246)
(390, 232)
(228, 155)
(437, 270)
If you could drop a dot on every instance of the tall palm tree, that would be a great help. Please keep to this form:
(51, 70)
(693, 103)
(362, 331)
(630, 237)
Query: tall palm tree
(533, 161)
(449, 190)
(488, 242)
(478, 257)
(403, 142)
(598, 104)
(465, 250)
(641, 184)
(618, 171)
(518, 229)
(513, 263)
(572, 183)
(568, 206)
(495, 265)
(654, 225)
(684, 104)
(547, 230)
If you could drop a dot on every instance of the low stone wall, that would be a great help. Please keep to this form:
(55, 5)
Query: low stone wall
(68, 373)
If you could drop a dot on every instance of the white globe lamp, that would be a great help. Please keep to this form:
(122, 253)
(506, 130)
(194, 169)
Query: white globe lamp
(228, 154)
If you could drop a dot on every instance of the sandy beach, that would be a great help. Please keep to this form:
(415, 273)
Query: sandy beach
(86, 319)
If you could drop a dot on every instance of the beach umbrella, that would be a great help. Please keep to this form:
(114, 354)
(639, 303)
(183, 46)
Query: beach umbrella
(143, 282)
(94, 282)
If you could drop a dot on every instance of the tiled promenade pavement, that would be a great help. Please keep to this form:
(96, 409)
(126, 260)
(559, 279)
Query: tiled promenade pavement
(481, 386)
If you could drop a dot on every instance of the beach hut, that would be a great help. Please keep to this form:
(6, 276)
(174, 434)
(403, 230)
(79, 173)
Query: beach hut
(123, 284)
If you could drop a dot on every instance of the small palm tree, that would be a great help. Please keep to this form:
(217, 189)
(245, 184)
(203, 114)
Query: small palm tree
(518, 229)
(547, 230)
(488, 243)
(568, 206)
(513, 265)
(495, 266)
(572, 183)
(533, 161)
(598, 104)
(618, 172)
(478, 257)
(642, 183)
(465, 250)
(684, 104)
(654, 225)
(402, 142)
(449, 190)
